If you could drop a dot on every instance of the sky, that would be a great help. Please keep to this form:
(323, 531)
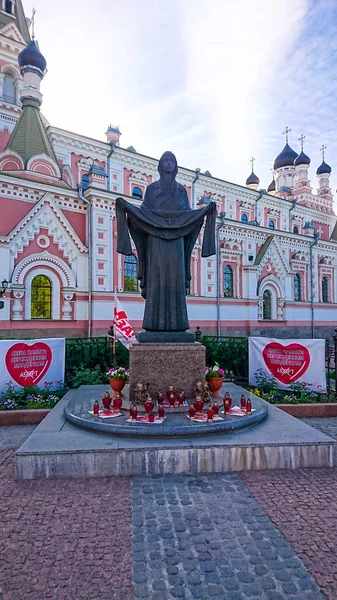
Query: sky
(215, 81)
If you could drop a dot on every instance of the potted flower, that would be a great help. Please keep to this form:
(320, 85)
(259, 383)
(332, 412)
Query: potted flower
(118, 377)
(215, 377)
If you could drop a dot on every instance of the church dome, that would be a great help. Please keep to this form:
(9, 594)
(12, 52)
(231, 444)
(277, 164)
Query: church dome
(302, 159)
(323, 169)
(252, 179)
(271, 186)
(285, 158)
(31, 56)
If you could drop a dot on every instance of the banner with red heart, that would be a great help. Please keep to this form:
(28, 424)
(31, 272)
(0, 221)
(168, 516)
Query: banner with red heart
(28, 363)
(286, 363)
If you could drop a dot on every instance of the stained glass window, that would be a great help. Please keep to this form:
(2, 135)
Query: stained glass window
(228, 281)
(130, 274)
(271, 225)
(325, 289)
(267, 304)
(41, 298)
(244, 218)
(297, 287)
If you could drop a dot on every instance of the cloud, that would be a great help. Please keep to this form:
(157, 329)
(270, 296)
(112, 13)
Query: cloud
(215, 81)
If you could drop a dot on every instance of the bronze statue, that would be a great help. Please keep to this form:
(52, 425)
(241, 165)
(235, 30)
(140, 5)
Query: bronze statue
(164, 230)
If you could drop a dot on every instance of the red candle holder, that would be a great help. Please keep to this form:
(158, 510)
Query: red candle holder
(228, 398)
(133, 412)
(215, 408)
(198, 405)
(181, 398)
(170, 390)
(106, 401)
(151, 417)
(160, 397)
(148, 405)
(117, 402)
(243, 402)
(171, 399)
(227, 405)
(248, 407)
(161, 411)
(192, 411)
(95, 409)
(209, 414)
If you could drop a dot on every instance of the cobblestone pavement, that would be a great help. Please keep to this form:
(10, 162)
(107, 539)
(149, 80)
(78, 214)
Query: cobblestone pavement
(302, 505)
(14, 435)
(205, 537)
(325, 425)
(191, 537)
(64, 539)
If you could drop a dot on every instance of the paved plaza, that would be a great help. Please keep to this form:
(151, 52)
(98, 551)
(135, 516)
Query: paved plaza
(268, 534)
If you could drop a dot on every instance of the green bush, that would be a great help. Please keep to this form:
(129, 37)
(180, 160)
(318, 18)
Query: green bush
(86, 376)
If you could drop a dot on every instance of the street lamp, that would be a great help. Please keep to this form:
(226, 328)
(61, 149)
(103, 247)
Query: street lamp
(4, 285)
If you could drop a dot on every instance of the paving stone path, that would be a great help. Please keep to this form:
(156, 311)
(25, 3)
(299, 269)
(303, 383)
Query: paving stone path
(205, 537)
(327, 425)
(270, 535)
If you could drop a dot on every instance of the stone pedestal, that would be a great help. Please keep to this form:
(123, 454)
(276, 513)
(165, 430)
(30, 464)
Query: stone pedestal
(161, 365)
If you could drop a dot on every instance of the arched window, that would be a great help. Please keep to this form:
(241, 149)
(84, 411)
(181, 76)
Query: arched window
(244, 218)
(267, 305)
(295, 230)
(9, 89)
(325, 289)
(297, 287)
(40, 299)
(137, 193)
(8, 6)
(271, 225)
(228, 282)
(130, 274)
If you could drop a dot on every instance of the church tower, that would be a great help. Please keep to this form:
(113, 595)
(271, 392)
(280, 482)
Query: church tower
(14, 36)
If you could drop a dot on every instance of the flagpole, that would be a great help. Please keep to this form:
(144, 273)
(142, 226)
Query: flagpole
(114, 347)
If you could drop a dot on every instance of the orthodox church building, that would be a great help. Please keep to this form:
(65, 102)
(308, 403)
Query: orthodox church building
(275, 268)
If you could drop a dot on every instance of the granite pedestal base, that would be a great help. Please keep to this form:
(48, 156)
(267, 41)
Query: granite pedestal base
(57, 448)
(166, 337)
(161, 365)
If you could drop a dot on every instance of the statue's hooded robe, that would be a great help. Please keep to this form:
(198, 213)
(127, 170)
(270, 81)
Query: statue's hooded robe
(164, 230)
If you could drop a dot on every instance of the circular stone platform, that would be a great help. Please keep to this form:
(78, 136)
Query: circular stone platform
(174, 425)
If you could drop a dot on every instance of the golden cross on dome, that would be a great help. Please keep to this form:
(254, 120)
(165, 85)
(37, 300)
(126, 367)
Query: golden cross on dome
(287, 130)
(32, 22)
(300, 139)
(323, 151)
(252, 160)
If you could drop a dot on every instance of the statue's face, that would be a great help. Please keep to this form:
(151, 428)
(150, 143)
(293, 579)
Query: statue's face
(169, 163)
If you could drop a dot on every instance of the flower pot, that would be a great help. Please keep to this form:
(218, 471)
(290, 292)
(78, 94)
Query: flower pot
(117, 384)
(216, 384)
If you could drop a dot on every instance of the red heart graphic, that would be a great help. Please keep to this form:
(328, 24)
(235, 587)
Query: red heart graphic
(27, 364)
(286, 363)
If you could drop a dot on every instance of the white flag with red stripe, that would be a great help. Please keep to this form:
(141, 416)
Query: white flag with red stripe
(122, 326)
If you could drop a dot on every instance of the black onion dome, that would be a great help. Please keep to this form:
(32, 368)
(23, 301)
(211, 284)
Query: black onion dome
(31, 56)
(302, 159)
(252, 179)
(271, 186)
(323, 169)
(285, 158)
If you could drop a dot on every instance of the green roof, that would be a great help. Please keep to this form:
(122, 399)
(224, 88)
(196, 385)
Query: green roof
(263, 249)
(19, 20)
(29, 136)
